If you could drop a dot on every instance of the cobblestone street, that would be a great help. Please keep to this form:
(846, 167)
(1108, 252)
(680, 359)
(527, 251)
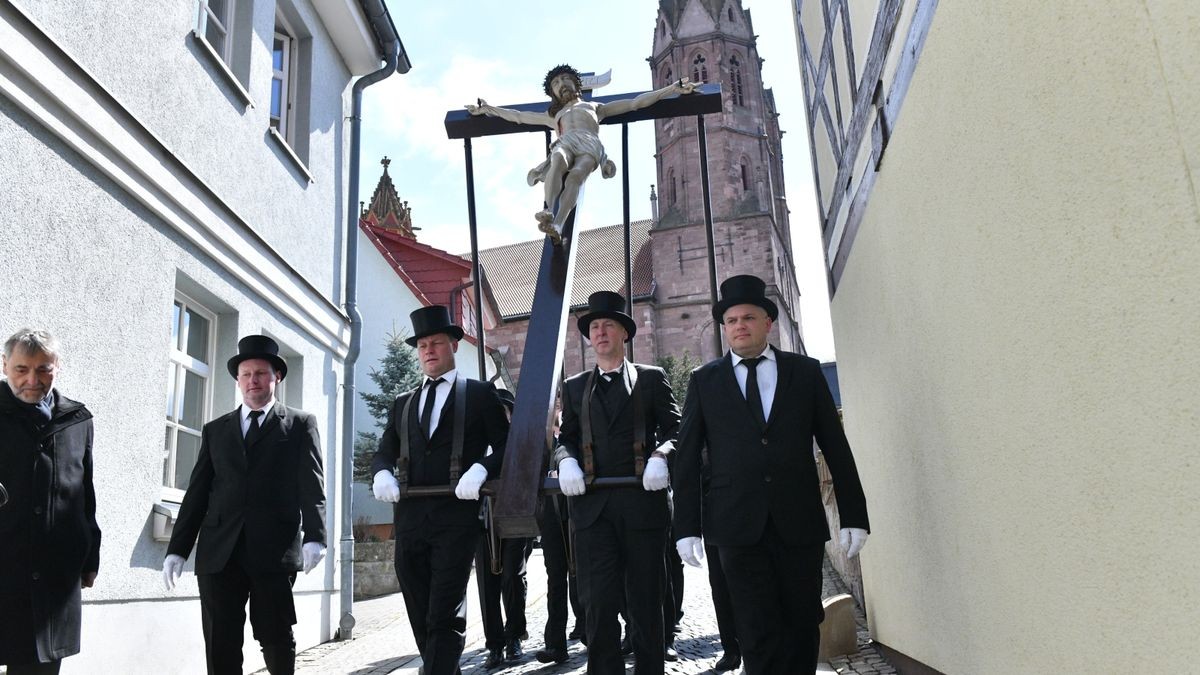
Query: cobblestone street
(383, 643)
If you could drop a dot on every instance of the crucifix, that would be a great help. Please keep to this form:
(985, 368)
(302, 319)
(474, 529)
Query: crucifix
(577, 151)
(569, 161)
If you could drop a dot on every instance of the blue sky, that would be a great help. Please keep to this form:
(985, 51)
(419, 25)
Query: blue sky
(462, 50)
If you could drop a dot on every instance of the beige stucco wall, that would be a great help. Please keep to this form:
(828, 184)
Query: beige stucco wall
(1018, 336)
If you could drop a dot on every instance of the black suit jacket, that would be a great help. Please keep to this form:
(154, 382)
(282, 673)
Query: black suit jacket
(756, 472)
(429, 459)
(612, 441)
(273, 490)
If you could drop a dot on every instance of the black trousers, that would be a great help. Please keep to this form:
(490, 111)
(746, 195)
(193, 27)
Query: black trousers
(722, 604)
(562, 588)
(672, 590)
(433, 565)
(620, 559)
(223, 598)
(510, 586)
(776, 591)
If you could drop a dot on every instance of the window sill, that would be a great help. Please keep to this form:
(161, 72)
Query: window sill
(163, 516)
(223, 68)
(287, 150)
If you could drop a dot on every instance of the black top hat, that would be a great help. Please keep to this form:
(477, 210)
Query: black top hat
(607, 305)
(258, 347)
(431, 320)
(744, 289)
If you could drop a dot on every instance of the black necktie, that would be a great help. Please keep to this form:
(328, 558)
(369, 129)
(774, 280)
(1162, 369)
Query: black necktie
(252, 431)
(753, 398)
(427, 411)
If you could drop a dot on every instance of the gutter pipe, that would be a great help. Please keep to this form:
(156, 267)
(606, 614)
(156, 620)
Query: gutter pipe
(396, 60)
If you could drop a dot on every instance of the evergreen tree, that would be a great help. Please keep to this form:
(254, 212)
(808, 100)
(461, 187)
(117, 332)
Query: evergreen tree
(399, 372)
(679, 372)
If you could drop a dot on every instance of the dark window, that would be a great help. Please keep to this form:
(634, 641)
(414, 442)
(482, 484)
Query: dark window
(745, 177)
(674, 193)
(735, 81)
(699, 69)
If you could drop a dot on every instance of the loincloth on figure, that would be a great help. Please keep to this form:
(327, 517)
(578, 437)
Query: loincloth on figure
(576, 142)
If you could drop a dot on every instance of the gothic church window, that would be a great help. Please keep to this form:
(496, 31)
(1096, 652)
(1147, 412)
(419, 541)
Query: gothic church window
(745, 176)
(673, 194)
(668, 76)
(699, 69)
(735, 81)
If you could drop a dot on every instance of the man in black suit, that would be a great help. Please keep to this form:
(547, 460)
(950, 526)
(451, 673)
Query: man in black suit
(256, 500)
(758, 409)
(432, 432)
(619, 420)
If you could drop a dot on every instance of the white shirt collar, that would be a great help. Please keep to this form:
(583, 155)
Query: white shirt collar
(245, 409)
(615, 371)
(448, 376)
(767, 353)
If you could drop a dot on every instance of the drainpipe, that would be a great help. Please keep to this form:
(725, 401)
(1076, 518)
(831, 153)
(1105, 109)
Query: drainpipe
(395, 60)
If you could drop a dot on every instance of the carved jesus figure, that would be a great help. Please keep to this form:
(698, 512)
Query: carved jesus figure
(577, 150)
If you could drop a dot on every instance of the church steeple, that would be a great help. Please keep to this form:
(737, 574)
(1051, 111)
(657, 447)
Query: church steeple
(713, 41)
(386, 209)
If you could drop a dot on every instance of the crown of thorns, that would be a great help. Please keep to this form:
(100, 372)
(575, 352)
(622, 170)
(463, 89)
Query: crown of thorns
(564, 69)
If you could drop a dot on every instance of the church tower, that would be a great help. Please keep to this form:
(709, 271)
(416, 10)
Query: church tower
(713, 41)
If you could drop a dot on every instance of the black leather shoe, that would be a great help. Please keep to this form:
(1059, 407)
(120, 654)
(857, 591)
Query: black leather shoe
(577, 633)
(495, 658)
(671, 654)
(513, 651)
(728, 662)
(626, 646)
(552, 655)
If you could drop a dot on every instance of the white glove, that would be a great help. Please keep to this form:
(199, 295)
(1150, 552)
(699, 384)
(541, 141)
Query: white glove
(656, 476)
(172, 570)
(468, 486)
(691, 550)
(386, 487)
(852, 540)
(570, 477)
(312, 552)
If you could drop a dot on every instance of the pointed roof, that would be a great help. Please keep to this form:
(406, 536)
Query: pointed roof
(599, 266)
(673, 9)
(386, 209)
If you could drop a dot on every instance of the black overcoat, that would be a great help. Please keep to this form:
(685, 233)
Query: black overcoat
(759, 472)
(49, 537)
(274, 490)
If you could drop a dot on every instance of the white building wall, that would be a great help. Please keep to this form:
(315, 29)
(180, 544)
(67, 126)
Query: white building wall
(1017, 329)
(130, 174)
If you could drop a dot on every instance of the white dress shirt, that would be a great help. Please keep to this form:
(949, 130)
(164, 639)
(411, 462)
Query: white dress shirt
(245, 412)
(768, 375)
(440, 395)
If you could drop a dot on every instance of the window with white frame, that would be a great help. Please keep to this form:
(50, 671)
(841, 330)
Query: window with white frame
(189, 389)
(215, 23)
(283, 79)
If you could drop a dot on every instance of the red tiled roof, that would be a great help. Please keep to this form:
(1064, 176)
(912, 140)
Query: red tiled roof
(599, 266)
(431, 272)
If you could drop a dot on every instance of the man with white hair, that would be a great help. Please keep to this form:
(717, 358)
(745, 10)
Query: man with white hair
(51, 542)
